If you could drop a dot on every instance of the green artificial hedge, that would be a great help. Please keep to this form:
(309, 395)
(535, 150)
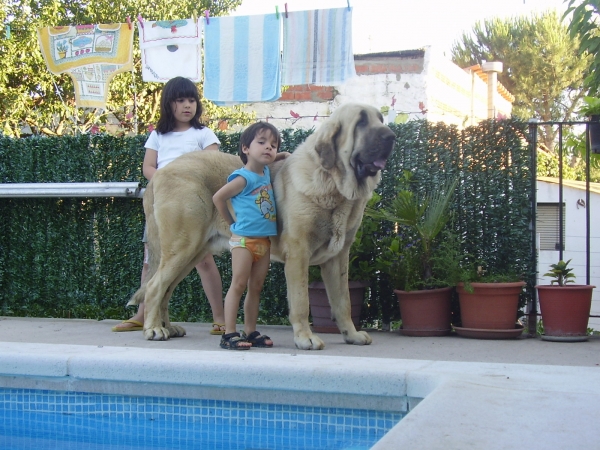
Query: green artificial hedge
(74, 257)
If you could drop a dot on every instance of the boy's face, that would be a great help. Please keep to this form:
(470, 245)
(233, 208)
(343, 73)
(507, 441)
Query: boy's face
(263, 148)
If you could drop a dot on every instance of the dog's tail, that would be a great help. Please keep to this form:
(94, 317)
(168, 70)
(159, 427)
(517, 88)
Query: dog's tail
(153, 246)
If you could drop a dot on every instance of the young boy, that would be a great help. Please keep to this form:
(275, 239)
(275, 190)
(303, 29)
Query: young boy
(251, 195)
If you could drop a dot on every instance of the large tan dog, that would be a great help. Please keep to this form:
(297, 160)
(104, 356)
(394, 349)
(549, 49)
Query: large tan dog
(321, 191)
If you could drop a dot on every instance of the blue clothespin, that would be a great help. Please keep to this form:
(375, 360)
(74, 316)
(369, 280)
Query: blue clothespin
(277, 11)
(348, 1)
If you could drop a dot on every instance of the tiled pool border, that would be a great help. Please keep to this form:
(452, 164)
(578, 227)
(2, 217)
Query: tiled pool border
(166, 409)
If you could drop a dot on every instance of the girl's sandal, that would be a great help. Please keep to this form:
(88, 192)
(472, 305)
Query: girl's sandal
(232, 341)
(217, 328)
(257, 339)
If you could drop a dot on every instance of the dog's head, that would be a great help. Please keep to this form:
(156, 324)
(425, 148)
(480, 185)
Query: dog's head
(354, 139)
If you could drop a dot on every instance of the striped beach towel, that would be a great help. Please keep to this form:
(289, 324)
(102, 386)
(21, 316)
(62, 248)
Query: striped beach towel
(317, 47)
(171, 48)
(242, 62)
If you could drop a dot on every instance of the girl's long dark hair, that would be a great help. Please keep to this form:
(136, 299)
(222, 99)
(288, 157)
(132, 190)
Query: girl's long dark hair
(178, 87)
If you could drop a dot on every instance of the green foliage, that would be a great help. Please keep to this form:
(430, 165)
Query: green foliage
(82, 258)
(561, 273)
(542, 68)
(585, 15)
(591, 106)
(420, 219)
(31, 95)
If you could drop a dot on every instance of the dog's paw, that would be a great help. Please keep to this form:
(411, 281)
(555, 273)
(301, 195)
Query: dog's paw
(309, 342)
(357, 338)
(156, 334)
(176, 331)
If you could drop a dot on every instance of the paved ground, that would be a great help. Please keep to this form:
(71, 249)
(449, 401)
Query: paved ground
(522, 350)
(476, 394)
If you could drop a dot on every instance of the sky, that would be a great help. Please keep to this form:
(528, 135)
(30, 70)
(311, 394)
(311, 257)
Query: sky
(391, 25)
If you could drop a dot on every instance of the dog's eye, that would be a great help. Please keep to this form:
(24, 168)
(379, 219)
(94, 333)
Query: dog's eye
(364, 120)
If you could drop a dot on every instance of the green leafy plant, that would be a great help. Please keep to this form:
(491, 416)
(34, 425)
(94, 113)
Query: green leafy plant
(591, 107)
(479, 273)
(560, 273)
(416, 257)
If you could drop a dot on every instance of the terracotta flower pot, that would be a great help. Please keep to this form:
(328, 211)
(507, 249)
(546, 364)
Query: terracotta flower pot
(425, 313)
(491, 306)
(320, 309)
(565, 311)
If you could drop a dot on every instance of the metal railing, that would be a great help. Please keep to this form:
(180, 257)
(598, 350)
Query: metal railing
(39, 190)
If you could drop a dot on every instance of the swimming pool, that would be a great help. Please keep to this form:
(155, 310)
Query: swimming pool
(44, 419)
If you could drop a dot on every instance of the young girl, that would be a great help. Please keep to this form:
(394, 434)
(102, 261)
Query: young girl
(179, 131)
(251, 194)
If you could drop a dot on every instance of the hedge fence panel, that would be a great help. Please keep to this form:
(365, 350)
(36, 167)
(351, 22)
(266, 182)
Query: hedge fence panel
(74, 257)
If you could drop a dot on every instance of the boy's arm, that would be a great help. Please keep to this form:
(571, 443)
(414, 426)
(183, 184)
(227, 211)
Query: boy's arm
(282, 155)
(220, 198)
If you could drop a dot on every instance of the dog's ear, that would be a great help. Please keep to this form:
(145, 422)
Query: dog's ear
(326, 144)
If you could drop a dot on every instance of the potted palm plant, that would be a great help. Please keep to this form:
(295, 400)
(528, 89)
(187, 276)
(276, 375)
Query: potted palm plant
(422, 259)
(565, 307)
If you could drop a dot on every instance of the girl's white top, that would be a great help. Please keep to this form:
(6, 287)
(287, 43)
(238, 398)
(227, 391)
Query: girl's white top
(176, 143)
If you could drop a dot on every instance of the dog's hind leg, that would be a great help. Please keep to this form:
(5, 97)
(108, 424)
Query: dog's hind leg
(335, 277)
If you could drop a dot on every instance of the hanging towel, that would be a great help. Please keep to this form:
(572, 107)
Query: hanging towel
(317, 47)
(242, 62)
(171, 48)
(90, 54)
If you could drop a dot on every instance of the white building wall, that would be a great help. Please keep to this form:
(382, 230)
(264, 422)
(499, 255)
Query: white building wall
(448, 93)
(575, 229)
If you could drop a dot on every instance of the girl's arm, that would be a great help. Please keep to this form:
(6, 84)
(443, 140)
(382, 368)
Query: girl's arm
(150, 163)
(212, 147)
(231, 189)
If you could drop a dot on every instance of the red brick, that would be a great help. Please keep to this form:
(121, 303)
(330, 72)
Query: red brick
(302, 95)
(287, 95)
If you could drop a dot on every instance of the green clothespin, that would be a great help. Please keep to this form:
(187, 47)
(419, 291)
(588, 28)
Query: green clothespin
(277, 11)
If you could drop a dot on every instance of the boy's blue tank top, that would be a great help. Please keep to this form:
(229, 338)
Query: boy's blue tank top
(254, 207)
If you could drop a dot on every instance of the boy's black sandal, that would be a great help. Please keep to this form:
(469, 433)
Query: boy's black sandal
(257, 339)
(232, 341)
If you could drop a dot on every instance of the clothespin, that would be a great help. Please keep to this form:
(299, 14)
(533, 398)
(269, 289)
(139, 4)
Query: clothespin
(286, 16)
(195, 16)
(129, 22)
(206, 14)
(348, 1)
(277, 11)
(7, 31)
(140, 20)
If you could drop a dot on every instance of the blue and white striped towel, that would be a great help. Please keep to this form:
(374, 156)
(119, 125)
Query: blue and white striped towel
(317, 47)
(171, 48)
(242, 62)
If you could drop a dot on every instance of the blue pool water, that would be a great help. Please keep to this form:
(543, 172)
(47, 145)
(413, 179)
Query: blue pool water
(36, 419)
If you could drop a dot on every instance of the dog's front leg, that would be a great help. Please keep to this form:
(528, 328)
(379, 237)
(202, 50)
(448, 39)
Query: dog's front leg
(296, 274)
(335, 277)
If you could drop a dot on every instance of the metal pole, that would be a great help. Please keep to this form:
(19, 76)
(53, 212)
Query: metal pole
(532, 305)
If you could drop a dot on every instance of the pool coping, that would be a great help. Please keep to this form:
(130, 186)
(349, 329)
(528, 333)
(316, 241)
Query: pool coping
(465, 404)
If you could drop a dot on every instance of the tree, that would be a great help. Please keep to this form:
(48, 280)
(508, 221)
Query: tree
(585, 25)
(30, 94)
(542, 66)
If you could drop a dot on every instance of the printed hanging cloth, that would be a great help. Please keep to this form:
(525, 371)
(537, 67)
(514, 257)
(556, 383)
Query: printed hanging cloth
(317, 47)
(171, 48)
(242, 62)
(90, 54)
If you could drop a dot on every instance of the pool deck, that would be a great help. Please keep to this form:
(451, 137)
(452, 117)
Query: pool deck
(477, 394)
